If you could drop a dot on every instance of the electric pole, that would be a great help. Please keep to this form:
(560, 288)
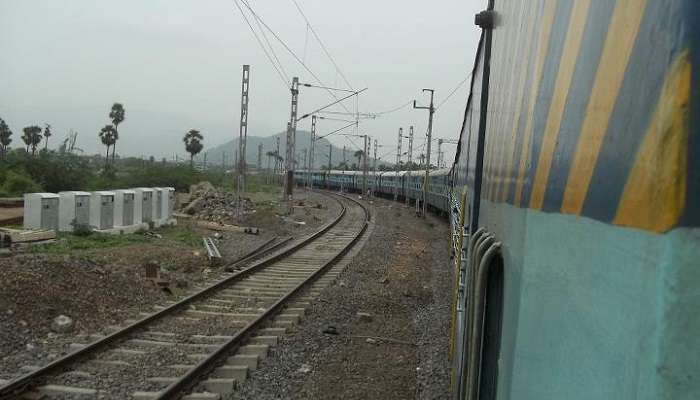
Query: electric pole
(439, 162)
(260, 151)
(291, 137)
(330, 156)
(409, 163)
(306, 166)
(398, 164)
(374, 167)
(223, 161)
(344, 159)
(243, 135)
(365, 151)
(277, 154)
(431, 111)
(312, 151)
(410, 145)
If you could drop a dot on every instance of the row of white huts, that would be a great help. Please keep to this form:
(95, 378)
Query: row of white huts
(113, 211)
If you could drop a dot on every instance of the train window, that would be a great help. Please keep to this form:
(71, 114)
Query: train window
(493, 321)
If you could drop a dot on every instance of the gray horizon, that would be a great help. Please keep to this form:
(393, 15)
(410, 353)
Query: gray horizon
(176, 65)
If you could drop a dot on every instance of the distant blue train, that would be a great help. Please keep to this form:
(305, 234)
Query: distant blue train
(404, 185)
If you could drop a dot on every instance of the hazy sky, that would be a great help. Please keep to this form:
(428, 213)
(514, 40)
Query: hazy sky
(176, 65)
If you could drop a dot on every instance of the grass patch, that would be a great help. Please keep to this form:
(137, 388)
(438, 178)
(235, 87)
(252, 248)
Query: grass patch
(67, 242)
(182, 234)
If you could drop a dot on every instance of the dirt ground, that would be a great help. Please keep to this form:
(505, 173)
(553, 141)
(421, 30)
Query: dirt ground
(401, 279)
(99, 284)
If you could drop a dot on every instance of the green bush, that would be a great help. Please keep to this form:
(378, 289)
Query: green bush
(54, 172)
(48, 170)
(17, 183)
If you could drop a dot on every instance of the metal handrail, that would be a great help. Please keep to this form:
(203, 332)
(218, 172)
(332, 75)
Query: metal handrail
(474, 348)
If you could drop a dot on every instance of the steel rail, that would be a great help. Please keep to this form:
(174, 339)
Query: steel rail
(185, 383)
(20, 384)
(262, 249)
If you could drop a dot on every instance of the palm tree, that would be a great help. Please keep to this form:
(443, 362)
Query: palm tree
(359, 154)
(5, 138)
(36, 139)
(117, 115)
(193, 144)
(108, 137)
(47, 135)
(31, 137)
(26, 137)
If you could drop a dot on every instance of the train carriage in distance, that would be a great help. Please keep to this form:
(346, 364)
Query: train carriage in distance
(338, 179)
(414, 184)
(392, 183)
(438, 189)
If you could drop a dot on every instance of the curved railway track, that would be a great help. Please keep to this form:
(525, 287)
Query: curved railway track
(200, 346)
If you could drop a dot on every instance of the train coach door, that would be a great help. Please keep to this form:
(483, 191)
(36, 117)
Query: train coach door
(493, 321)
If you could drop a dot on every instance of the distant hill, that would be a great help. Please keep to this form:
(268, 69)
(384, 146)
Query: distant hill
(216, 155)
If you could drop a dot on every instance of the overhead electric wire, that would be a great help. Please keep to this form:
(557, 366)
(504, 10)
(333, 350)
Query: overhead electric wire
(394, 109)
(335, 131)
(453, 91)
(306, 42)
(323, 46)
(329, 105)
(247, 5)
(326, 87)
(352, 142)
(282, 76)
(272, 50)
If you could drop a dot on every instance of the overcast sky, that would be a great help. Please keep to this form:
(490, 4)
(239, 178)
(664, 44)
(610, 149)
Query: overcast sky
(176, 65)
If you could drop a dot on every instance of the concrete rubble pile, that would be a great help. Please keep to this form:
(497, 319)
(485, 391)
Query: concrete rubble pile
(206, 203)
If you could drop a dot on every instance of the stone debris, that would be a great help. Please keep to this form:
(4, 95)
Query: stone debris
(330, 330)
(304, 369)
(370, 341)
(62, 324)
(364, 317)
(207, 203)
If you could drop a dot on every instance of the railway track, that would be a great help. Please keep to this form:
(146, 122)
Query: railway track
(199, 347)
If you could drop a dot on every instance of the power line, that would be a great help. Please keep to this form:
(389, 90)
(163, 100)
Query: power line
(394, 109)
(306, 41)
(337, 130)
(352, 142)
(453, 91)
(329, 105)
(272, 49)
(325, 50)
(282, 76)
(282, 42)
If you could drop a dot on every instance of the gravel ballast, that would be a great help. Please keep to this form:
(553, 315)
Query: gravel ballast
(390, 311)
